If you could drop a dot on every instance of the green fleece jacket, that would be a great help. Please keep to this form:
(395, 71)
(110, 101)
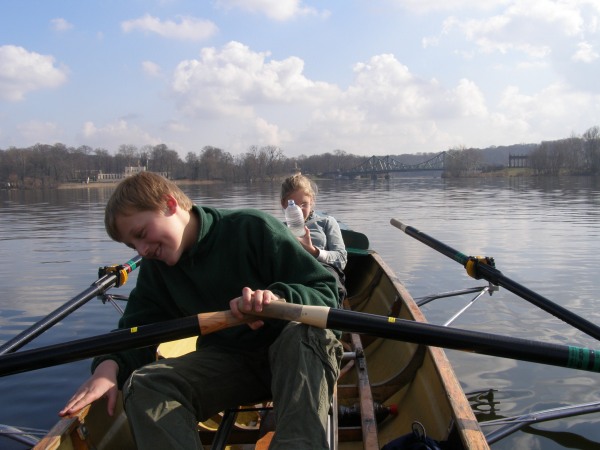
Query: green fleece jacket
(234, 249)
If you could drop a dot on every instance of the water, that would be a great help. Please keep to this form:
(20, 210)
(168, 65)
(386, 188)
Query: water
(542, 233)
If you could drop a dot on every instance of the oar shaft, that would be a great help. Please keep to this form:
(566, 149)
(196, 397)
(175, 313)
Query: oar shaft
(490, 274)
(97, 288)
(431, 242)
(494, 276)
(318, 316)
(123, 339)
(438, 336)
(468, 341)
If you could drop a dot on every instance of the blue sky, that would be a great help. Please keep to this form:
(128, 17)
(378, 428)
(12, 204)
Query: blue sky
(363, 76)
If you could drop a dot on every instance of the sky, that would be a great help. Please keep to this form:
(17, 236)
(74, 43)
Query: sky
(368, 77)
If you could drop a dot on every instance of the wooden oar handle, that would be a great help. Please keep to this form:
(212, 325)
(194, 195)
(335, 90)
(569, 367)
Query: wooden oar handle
(215, 321)
(309, 315)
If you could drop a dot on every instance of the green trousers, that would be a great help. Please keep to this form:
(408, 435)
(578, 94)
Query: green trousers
(165, 400)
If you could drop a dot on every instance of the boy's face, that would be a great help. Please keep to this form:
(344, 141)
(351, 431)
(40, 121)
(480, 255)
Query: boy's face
(155, 234)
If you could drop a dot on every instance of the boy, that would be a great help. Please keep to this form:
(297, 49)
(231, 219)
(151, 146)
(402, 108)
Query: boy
(199, 259)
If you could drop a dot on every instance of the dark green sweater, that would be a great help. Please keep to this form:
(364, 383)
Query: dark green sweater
(235, 249)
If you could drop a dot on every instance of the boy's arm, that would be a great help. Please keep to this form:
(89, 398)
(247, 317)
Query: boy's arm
(144, 306)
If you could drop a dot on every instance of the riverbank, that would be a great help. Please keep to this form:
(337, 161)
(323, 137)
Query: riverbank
(508, 172)
(115, 182)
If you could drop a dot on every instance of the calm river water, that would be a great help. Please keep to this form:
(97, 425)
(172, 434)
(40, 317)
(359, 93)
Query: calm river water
(542, 233)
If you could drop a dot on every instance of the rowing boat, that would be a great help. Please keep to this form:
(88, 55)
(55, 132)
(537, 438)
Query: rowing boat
(413, 384)
(395, 385)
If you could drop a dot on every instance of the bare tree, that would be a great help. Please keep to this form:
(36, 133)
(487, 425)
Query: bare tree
(214, 162)
(192, 162)
(130, 154)
(591, 144)
(274, 158)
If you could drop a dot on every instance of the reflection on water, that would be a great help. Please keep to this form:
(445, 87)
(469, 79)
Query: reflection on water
(542, 232)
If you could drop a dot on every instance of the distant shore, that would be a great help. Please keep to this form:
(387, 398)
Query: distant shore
(103, 184)
(506, 172)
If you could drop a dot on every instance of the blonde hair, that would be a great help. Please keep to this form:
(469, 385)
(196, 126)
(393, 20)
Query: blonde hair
(144, 191)
(298, 182)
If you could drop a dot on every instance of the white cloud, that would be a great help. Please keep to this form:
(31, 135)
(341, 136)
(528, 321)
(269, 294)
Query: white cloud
(498, 34)
(384, 102)
(176, 127)
(234, 80)
(188, 28)
(22, 71)
(60, 24)
(280, 10)
(386, 91)
(585, 53)
(535, 29)
(151, 68)
(430, 41)
(433, 6)
(270, 134)
(547, 106)
(42, 132)
(469, 100)
(567, 15)
(389, 108)
(114, 134)
(386, 105)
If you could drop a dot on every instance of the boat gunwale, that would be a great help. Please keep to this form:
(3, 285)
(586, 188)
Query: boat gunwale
(465, 421)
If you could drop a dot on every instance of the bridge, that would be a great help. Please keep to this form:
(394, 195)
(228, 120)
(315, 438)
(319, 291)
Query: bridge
(383, 166)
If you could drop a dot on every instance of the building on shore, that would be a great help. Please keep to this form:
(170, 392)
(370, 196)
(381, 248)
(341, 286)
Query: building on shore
(129, 171)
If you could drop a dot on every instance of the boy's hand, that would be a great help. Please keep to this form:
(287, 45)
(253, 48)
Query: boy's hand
(103, 383)
(251, 301)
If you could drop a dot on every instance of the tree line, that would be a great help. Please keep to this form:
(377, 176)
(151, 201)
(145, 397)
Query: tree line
(576, 155)
(44, 165)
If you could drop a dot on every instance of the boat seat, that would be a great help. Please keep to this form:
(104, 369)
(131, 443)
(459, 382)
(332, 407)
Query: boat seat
(354, 241)
(266, 430)
(351, 359)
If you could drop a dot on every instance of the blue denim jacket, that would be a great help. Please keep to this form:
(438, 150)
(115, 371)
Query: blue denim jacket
(325, 234)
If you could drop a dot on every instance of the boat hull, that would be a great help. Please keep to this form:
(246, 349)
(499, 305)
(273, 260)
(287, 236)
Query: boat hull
(418, 379)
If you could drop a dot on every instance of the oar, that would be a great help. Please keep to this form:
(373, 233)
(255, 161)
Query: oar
(477, 268)
(318, 316)
(512, 424)
(115, 341)
(108, 277)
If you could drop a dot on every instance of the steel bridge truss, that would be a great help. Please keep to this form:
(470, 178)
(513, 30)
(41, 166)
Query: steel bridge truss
(385, 165)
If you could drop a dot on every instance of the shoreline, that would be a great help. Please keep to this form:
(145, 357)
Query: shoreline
(102, 184)
(505, 173)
